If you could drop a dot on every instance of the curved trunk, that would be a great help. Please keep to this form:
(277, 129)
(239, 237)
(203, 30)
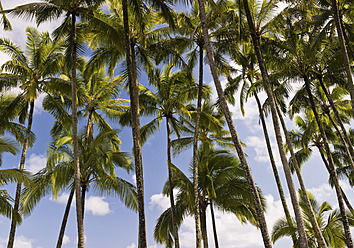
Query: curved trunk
(204, 226)
(10, 243)
(332, 170)
(348, 144)
(170, 185)
(347, 202)
(344, 51)
(80, 225)
(268, 88)
(65, 218)
(234, 135)
(195, 151)
(214, 225)
(321, 241)
(135, 123)
(274, 166)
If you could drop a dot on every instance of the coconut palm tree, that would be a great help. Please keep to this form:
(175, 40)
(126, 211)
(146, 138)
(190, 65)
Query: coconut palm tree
(222, 184)
(331, 227)
(34, 71)
(226, 111)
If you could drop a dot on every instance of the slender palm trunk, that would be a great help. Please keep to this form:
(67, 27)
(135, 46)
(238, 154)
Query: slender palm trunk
(65, 218)
(348, 144)
(321, 241)
(89, 128)
(195, 151)
(135, 122)
(83, 198)
(10, 243)
(204, 226)
(170, 184)
(346, 200)
(80, 225)
(235, 138)
(333, 172)
(343, 50)
(274, 166)
(214, 225)
(346, 38)
(268, 88)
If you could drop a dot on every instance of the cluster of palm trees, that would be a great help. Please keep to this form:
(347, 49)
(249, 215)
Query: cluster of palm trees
(272, 43)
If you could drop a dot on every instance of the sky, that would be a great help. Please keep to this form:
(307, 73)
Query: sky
(109, 224)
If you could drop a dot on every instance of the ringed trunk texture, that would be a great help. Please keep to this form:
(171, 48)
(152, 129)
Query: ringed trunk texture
(333, 172)
(135, 123)
(80, 224)
(274, 166)
(170, 185)
(344, 51)
(12, 234)
(198, 237)
(235, 138)
(65, 218)
(268, 88)
(321, 241)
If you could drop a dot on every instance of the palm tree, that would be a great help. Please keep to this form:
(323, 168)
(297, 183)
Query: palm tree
(98, 160)
(33, 71)
(226, 111)
(331, 227)
(221, 184)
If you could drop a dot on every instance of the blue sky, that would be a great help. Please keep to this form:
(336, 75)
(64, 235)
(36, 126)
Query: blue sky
(109, 224)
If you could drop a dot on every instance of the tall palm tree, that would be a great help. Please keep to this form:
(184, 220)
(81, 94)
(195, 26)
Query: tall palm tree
(235, 138)
(33, 71)
(221, 184)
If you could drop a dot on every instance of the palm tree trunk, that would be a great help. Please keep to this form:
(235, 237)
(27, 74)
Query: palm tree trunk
(348, 144)
(204, 226)
(235, 138)
(89, 128)
(321, 241)
(347, 41)
(214, 225)
(344, 51)
(80, 225)
(135, 122)
(347, 202)
(195, 151)
(274, 166)
(10, 243)
(268, 88)
(65, 218)
(333, 172)
(83, 198)
(170, 184)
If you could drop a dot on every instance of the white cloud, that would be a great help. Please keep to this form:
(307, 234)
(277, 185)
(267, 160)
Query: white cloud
(97, 206)
(36, 162)
(66, 240)
(62, 199)
(159, 201)
(134, 178)
(23, 242)
(132, 245)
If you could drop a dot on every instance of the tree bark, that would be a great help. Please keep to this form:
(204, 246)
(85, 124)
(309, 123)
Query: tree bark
(345, 36)
(195, 152)
(344, 51)
(234, 135)
(321, 241)
(65, 218)
(204, 226)
(83, 198)
(268, 88)
(170, 185)
(333, 172)
(12, 234)
(214, 225)
(135, 123)
(80, 225)
(274, 166)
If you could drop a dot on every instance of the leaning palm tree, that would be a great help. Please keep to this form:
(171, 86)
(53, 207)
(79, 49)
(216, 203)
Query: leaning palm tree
(235, 138)
(34, 71)
(221, 184)
(331, 227)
